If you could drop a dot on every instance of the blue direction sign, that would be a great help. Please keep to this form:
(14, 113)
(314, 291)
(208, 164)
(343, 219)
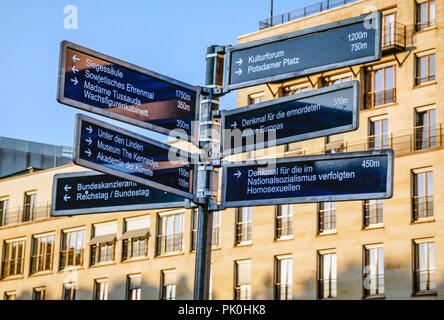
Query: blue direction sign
(331, 46)
(113, 150)
(333, 177)
(87, 192)
(312, 114)
(104, 85)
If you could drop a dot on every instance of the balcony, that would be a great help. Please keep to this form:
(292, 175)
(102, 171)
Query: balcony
(169, 243)
(303, 12)
(377, 98)
(17, 215)
(403, 142)
(393, 38)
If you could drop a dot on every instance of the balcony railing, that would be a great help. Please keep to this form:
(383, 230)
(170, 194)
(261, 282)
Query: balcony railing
(12, 267)
(424, 280)
(17, 215)
(71, 257)
(303, 12)
(327, 288)
(283, 291)
(169, 243)
(41, 262)
(374, 285)
(242, 292)
(284, 226)
(377, 98)
(243, 232)
(403, 142)
(422, 207)
(423, 79)
(426, 24)
(393, 37)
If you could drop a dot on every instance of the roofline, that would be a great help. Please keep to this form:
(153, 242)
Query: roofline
(282, 25)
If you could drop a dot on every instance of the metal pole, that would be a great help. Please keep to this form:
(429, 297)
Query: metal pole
(271, 13)
(205, 177)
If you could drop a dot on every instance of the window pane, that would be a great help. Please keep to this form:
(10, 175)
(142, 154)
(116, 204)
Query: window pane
(379, 86)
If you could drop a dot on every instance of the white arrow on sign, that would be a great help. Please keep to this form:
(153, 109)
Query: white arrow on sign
(88, 152)
(239, 72)
(74, 69)
(74, 57)
(89, 141)
(67, 187)
(234, 125)
(66, 197)
(89, 129)
(239, 62)
(238, 174)
(75, 81)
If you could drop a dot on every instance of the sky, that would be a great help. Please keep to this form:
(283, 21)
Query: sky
(169, 37)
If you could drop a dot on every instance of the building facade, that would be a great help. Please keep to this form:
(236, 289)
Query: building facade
(386, 249)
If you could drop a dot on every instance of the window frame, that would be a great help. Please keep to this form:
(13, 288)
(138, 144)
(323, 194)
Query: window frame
(65, 242)
(366, 249)
(415, 257)
(278, 284)
(35, 241)
(4, 212)
(289, 224)
(162, 229)
(332, 219)
(372, 79)
(6, 251)
(241, 226)
(430, 77)
(414, 174)
(240, 288)
(320, 269)
(430, 24)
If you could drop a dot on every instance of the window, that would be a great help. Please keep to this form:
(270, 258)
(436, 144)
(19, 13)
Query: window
(425, 68)
(134, 287)
(135, 238)
(170, 233)
(388, 35)
(168, 291)
(326, 217)
(215, 240)
(380, 86)
(42, 253)
(283, 278)
(426, 14)
(425, 128)
(38, 293)
(373, 272)
(29, 206)
(422, 193)
(4, 206)
(13, 257)
(101, 289)
(69, 291)
(242, 291)
(326, 274)
(10, 295)
(284, 221)
(288, 91)
(378, 133)
(243, 225)
(424, 266)
(330, 81)
(372, 213)
(103, 243)
(72, 248)
(256, 98)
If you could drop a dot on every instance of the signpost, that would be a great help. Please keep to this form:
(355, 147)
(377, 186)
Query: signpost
(331, 46)
(141, 171)
(86, 192)
(308, 115)
(332, 177)
(113, 150)
(107, 86)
